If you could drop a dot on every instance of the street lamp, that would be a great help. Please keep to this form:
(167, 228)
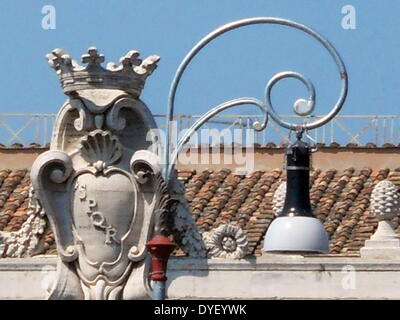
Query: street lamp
(296, 229)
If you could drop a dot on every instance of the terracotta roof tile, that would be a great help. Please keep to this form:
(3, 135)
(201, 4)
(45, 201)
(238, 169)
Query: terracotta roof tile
(340, 200)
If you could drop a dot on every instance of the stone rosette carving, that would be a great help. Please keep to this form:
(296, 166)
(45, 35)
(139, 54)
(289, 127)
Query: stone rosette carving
(278, 200)
(226, 241)
(100, 183)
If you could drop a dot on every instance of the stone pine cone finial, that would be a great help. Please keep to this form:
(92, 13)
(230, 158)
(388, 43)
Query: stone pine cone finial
(279, 198)
(129, 76)
(385, 200)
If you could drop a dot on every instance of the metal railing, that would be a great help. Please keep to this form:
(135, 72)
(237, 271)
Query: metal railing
(28, 128)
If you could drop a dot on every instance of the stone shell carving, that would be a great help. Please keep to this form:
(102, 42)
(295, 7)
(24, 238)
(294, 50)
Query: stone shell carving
(385, 200)
(279, 198)
(227, 241)
(25, 241)
(184, 229)
(100, 148)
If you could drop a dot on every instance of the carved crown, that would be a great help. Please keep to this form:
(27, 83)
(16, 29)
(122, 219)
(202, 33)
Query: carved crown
(129, 76)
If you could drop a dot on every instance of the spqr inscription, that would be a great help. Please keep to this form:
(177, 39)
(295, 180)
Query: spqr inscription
(96, 217)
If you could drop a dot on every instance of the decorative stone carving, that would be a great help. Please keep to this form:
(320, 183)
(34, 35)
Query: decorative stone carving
(227, 241)
(100, 182)
(385, 201)
(385, 205)
(278, 200)
(129, 76)
(25, 241)
(184, 229)
(100, 149)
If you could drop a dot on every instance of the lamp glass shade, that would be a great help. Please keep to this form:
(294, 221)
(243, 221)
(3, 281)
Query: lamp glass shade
(298, 233)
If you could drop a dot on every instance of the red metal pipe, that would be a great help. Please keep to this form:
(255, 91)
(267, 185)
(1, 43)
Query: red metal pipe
(160, 248)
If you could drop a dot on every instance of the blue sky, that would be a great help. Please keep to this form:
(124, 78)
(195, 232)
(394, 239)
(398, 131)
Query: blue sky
(238, 64)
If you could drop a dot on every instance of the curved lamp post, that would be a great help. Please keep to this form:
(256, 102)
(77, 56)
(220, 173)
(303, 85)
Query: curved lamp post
(303, 107)
(296, 228)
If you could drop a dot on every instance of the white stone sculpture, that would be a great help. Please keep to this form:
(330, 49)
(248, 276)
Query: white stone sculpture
(278, 200)
(385, 205)
(227, 241)
(25, 241)
(100, 182)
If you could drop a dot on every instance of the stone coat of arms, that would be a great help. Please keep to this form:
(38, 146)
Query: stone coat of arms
(100, 182)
